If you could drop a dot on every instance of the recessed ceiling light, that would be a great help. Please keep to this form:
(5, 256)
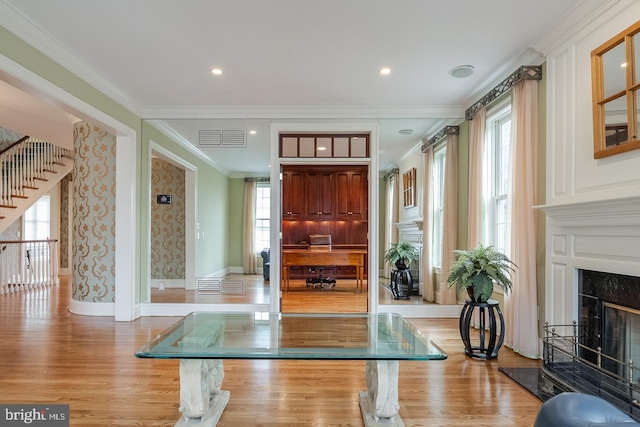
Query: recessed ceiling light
(252, 132)
(406, 131)
(385, 71)
(322, 148)
(461, 71)
(216, 71)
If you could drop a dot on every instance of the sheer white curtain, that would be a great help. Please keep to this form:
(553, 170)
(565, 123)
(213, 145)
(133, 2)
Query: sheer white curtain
(476, 160)
(477, 141)
(249, 257)
(521, 305)
(450, 219)
(392, 213)
(428, 293)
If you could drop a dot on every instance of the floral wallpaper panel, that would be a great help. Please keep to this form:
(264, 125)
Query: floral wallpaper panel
(94, 214)
(167, 221)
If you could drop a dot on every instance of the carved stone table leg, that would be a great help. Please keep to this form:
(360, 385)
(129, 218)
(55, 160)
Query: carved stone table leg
(201, 399)
(379, 404)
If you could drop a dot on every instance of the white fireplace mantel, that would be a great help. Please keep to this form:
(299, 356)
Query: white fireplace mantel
(618, 212)
(409, 227)
(600, 235)
(410, 231)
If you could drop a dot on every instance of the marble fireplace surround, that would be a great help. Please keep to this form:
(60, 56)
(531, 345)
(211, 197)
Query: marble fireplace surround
(602, 235)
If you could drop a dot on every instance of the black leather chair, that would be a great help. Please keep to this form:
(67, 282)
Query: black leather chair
(266, 254)
(320, 242)
(581, 410)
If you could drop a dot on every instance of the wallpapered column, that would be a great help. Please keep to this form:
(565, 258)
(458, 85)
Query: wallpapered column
(168, 248)
(65, 185)
(94, 214)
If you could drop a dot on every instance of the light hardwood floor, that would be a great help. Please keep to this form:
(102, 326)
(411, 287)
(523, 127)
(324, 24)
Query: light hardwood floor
(257, 291)
(51, 356)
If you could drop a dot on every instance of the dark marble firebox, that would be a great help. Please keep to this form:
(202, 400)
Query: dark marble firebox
(614, 288)
(595, 289)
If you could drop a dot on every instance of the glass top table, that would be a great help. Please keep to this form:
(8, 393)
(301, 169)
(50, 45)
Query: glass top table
(202, 340)
(211, 335)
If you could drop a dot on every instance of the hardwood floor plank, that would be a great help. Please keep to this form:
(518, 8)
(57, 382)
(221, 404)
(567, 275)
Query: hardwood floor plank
(51, 356)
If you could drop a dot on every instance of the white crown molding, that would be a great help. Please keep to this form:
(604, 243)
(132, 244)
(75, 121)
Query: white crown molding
(168, 131)
(530, 57)
(304, 112)
(181, 141)
(27, 30)
(575, 21)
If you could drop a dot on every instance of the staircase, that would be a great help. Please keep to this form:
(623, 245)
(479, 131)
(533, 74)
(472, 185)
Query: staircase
(30, 169)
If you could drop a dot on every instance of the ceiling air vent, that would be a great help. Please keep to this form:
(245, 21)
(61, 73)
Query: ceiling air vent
(222, 138)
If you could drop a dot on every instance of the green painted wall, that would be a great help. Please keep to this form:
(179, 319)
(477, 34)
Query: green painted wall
(212, 195)
(236, 221)
(212, 252)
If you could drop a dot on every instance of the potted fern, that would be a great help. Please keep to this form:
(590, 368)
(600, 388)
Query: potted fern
(478, 269)
(401, 255)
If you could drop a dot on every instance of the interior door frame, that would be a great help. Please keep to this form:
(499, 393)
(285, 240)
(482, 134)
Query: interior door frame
(328, 127)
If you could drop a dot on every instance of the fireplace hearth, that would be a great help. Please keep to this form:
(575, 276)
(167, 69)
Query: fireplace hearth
(598, 355)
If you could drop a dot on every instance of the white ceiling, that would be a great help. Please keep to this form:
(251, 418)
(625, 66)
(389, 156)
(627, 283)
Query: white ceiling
(293, 60)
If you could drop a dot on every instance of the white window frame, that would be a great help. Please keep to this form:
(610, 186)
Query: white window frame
(42, 211)
(262, 205)
(439, 161)
(497, 176)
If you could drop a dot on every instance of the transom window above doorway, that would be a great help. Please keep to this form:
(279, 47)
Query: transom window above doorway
(324, 145)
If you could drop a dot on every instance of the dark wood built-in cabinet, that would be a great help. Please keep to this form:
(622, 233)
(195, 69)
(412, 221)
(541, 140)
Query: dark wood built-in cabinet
(351, 195)
(293, 194)
(325, 200)
(324, 193)
(319, 196)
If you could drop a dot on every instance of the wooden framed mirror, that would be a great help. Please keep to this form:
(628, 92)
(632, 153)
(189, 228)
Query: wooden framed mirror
(615, 67)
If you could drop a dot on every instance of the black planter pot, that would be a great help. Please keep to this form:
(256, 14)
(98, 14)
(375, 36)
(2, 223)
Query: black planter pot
(401, 283)
(400, 265)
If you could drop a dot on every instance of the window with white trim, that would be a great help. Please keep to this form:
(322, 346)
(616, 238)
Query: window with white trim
(263, 216)
(439, 157)
(37, 219)
(497, 177)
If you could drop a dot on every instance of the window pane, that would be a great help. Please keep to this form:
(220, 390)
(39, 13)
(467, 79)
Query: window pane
(307, 147)
(263, 214)
(501, 224)
(636, 55)
(36, 220)
(289, 147)
(324, 147)
(497, 180)
(615, 73)
(615, 119)
(358, 147)
(438, 203)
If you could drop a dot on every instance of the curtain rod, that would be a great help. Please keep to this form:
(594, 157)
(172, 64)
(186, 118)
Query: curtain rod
(257, 179)
(447, 130)
(391, 173)
(525, 72)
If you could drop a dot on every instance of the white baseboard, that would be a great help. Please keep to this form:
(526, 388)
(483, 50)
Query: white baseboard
(92, 308)
(423, 310)
(168, 283)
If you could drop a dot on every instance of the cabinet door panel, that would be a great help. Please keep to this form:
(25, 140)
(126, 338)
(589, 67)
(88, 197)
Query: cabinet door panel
(319, 195)
(351, 195)
(293, 195)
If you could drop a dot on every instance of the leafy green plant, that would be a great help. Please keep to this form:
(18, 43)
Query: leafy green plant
(403, 252)
(480, 268)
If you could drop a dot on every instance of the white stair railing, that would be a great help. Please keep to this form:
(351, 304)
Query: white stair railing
(27, 163)
(28, 264)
